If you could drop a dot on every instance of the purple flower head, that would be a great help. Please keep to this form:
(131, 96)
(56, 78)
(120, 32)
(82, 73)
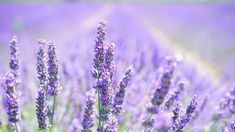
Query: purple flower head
(14, 56)
(105, 94)
(99, 50)
(88, 119)
(119, 97)
(12, 98)
(41, 64)
(184, 120)
(176, 113)
(163, 86)
(41, 111)
(53, 76)
(174, 96)
(109, 59)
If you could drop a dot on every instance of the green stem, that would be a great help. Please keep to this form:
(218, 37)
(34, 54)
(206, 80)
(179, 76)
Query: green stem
(16, 127)
(53, 111)
(99, 108)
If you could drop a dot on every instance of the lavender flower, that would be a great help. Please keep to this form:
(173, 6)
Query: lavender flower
(41, 104)
(88, 119)
(183, 121)
(14, 56)
(119, 97)
(105, 90)
(174, 96)
(109, 59)
(99, 50)
(176, 113)
(53, 78)
(41, 64)
(163, 85)
(12, 99)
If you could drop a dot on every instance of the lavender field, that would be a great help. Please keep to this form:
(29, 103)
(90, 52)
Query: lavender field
(117, 67)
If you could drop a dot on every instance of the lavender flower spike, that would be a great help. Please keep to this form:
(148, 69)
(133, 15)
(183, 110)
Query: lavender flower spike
(41, 64)
(109, 59)
(88, 119)
(41, 104)
(186, 118)
(12, 100)
(119, 97)
(163, 86)
(174, 95)
(14, 56)
(99, 50)
(53, 78)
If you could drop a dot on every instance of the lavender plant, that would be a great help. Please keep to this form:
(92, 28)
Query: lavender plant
(53, 85)
(41, 101)
(88, 119)
(120, 95)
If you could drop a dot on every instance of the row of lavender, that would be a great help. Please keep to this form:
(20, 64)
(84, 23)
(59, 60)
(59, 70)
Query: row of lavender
(110, 95)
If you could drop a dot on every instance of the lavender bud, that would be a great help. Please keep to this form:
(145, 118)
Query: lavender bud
(109, 59)
(163, 86)
(41, 64)
(53, 78)
(88, 119)
(41, 111)
(174, 95)
(186, 118)
(14, 56)
(105, 91)
(12, 98)
(99, 50)
(119, 97)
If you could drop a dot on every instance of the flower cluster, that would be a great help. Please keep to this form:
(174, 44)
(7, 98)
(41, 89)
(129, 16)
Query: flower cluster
(163, 86)
(14, 56)
(119, 97)
(41, 64)
(53, 78)
(41, 111)
(88, 119)
(181, 121)
(174, 96)
(12, 98)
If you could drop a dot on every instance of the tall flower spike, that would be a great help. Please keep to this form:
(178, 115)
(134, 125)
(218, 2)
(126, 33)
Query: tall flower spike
(163, 86)
(119, 97)
(14, 56)
(109, 59)
(88, 119)
(186, 118)
(111, 125)
(174, 96)
(41, 104)
(53, 77)
(41, 64)
(12, 100)
(99, 50)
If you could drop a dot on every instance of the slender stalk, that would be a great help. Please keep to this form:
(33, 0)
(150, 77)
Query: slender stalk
(99, 108)
(53, 111)
(16, 127)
